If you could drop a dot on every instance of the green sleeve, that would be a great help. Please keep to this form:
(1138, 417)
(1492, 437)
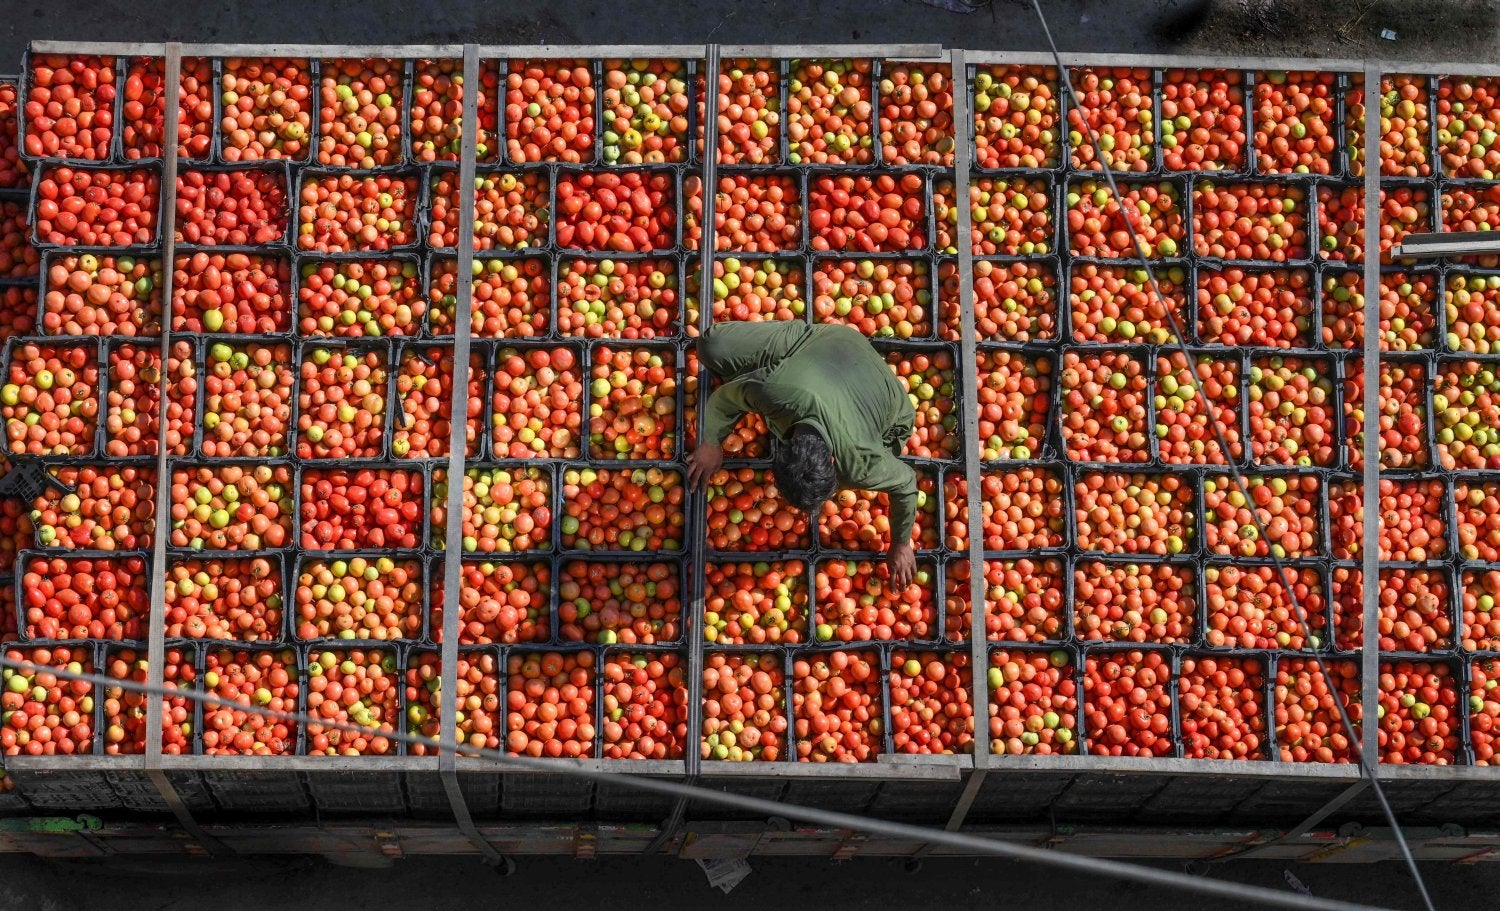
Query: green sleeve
(901, 428)
(735, 349)
(897, 480)
(726, 406)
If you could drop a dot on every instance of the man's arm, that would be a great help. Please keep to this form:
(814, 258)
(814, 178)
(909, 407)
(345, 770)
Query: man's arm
(726, 406)
(899, 482)
(740, 354)
(900, 430)
(895, 478)
(903, 420)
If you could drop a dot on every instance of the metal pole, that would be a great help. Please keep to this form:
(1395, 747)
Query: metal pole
(166, 229)
(1370, 535)
(156, 651)
(710, 178)
(979, 694)
(693, 627)
(458, 448)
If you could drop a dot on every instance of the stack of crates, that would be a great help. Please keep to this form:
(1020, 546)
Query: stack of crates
(1130, 607)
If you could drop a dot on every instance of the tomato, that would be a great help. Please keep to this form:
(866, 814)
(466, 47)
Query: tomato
(1033, 703)
(505, 510)
(132, 407)
(359, 113)
(1220, 708)
(70, 106)
(930, 709)
(1203, 120)
(1134, 513)
(266, 108)
(744, 707)
(644, 706)
(353, 687)
(836, 702)
(238, 599)
(500, 603)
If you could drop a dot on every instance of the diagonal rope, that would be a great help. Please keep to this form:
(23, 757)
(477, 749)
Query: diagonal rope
(1075, 863)
(1128, 215)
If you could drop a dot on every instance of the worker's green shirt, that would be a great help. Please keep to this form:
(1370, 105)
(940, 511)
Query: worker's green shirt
(828, 377)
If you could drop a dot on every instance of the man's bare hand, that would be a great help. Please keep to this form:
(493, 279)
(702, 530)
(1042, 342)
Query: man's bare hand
(902, 561)
(702, 464)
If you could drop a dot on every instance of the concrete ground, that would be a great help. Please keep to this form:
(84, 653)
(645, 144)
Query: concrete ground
(619, 884)
(1432, 30)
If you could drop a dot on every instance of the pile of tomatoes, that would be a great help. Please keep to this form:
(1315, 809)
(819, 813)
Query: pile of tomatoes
(1133, 602)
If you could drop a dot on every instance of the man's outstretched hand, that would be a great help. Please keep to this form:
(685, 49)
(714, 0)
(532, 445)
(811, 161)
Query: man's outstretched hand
(702, 464)
(902, 561)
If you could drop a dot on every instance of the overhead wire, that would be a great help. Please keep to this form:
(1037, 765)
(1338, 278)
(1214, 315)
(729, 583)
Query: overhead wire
(1128, 216)
(1075, 863)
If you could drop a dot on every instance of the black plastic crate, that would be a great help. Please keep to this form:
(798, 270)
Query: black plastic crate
(68, 790)
(768, 788)
(1014, 795)
(13, 803)
(1201, 799)
(262, 793)
(362, 792)
(1282, 799)
(138, 792)
(427, 795)
(851, 796)
(931, 802)
(622, 802)
(1104, 797)
(543, 796)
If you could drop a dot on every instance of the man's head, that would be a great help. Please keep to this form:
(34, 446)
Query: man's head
(803, 468)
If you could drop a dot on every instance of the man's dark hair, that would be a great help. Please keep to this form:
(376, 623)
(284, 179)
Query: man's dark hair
(803, 469)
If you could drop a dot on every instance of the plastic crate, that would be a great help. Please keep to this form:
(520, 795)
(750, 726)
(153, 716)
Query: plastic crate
(1010, 796)
(1107, 798)
(12, 803)
(763, 789)
(618, 802)
(263, 793)
(546, 796)
(138, 792)
(1281, 799)
(915, 801)
(843, 796)
(68, 791)
(427, 796)
(356, 792)
(1201, 800)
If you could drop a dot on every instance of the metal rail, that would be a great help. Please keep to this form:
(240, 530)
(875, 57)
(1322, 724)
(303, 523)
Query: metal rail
(156, 656)
(882, 771)
(697, 601)
(979, 691)
(458, 450)
(166, 230)
(1370, 533)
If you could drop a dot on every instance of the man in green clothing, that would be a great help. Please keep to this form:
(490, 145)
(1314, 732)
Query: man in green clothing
(836, 411)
